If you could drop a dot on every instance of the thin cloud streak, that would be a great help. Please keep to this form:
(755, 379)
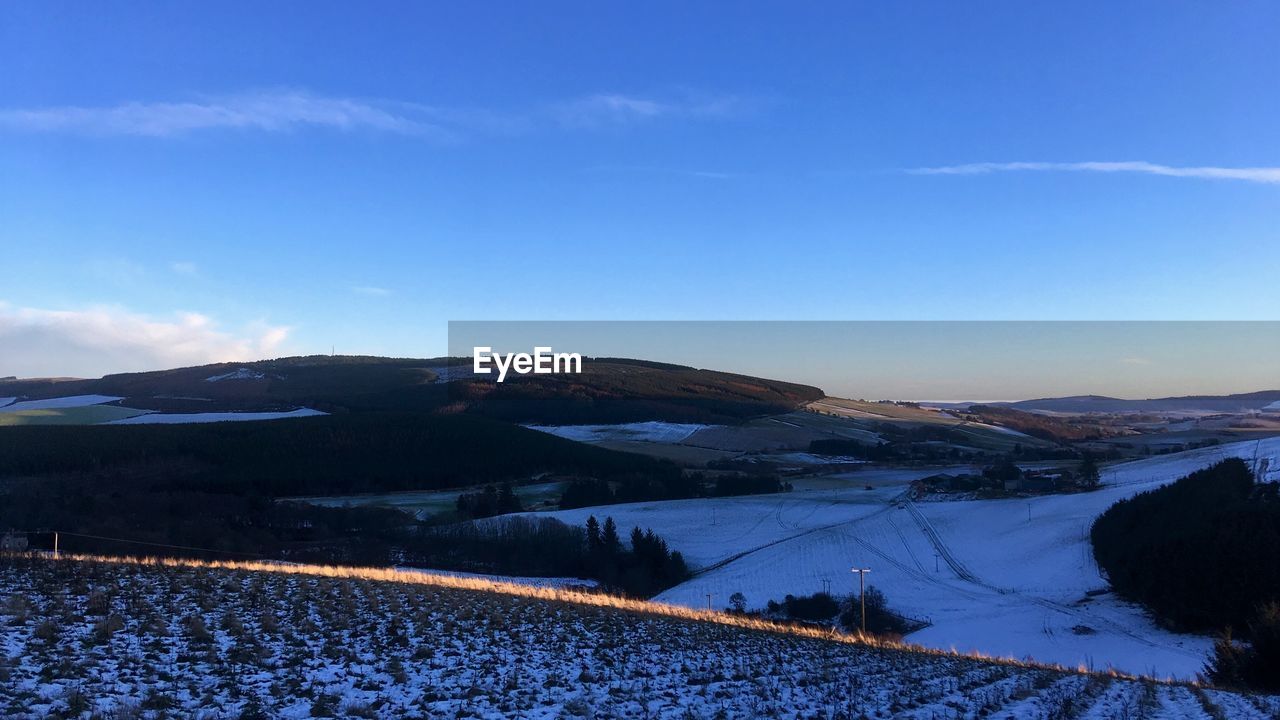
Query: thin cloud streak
(617, 109)
(370, 290)
(271, 111)
(1266, 175)
(279, 111)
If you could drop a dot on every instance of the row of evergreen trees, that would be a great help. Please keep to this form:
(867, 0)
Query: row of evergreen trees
(648, 568)
(492, 500)
(546, 547)
(1204, 555)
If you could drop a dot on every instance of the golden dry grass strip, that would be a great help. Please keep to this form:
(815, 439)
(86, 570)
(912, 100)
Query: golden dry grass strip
(426, 577)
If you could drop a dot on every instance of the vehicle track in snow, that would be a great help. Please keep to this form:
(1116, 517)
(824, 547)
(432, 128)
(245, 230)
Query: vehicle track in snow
(963, 572)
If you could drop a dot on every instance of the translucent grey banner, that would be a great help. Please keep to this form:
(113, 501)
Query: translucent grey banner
(922, 361)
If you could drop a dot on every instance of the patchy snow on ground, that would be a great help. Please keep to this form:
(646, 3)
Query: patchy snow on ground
(80, 639)
(181, 418)
(804, 458)
(653, 431)
(238, 374)
(6, 401)
(1273, 407)
(1003, 577)
(58, 402)
(1000, 429)
(449, 373)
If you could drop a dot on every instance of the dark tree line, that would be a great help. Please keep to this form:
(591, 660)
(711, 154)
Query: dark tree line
(1204, 555)
(546, 547)
(488, 502)
(589, 492)
(536, 547)
(337, 454)
(844, 610)
(217, 485)
(879, 452)
(648, 568)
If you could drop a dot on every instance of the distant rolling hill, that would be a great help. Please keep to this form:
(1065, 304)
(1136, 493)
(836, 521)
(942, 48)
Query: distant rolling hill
(1086, 404)
(1083, 404)
(332, 382)
(613, 390)
(609, 390)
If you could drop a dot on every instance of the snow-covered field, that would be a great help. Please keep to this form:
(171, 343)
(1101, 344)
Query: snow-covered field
(97, 639)
(654, 431)
(56, 403)
(178, 418)
(1003, 577)
(7, 405)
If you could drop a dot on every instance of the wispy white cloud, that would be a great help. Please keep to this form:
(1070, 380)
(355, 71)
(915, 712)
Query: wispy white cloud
(293, 110)
(183, 267)
(271, 111)
(370, 290)
(90, 342)
(618, 109)
(1134, 360)
(1270, 175)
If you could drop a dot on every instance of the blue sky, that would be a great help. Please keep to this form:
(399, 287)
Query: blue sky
(184, 182)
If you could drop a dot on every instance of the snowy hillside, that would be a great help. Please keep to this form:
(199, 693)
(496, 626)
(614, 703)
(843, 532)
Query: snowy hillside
(57, 403)
(653, 431)
(129, 640)
(1011, 578)
(184, 418)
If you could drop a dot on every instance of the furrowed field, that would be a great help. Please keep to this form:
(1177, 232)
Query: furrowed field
(90, 638)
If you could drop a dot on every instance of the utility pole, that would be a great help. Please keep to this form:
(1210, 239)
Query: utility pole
(936, 555)
(708, 601)
(1028, 512)
(55, 543)
(862, 594)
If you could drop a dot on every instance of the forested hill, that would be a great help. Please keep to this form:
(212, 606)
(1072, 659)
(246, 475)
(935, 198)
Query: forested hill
(611, 390)
(608, 390)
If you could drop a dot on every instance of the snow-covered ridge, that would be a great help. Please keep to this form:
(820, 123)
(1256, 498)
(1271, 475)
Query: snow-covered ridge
(652, 431)
(179, 418)
(58, 403)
